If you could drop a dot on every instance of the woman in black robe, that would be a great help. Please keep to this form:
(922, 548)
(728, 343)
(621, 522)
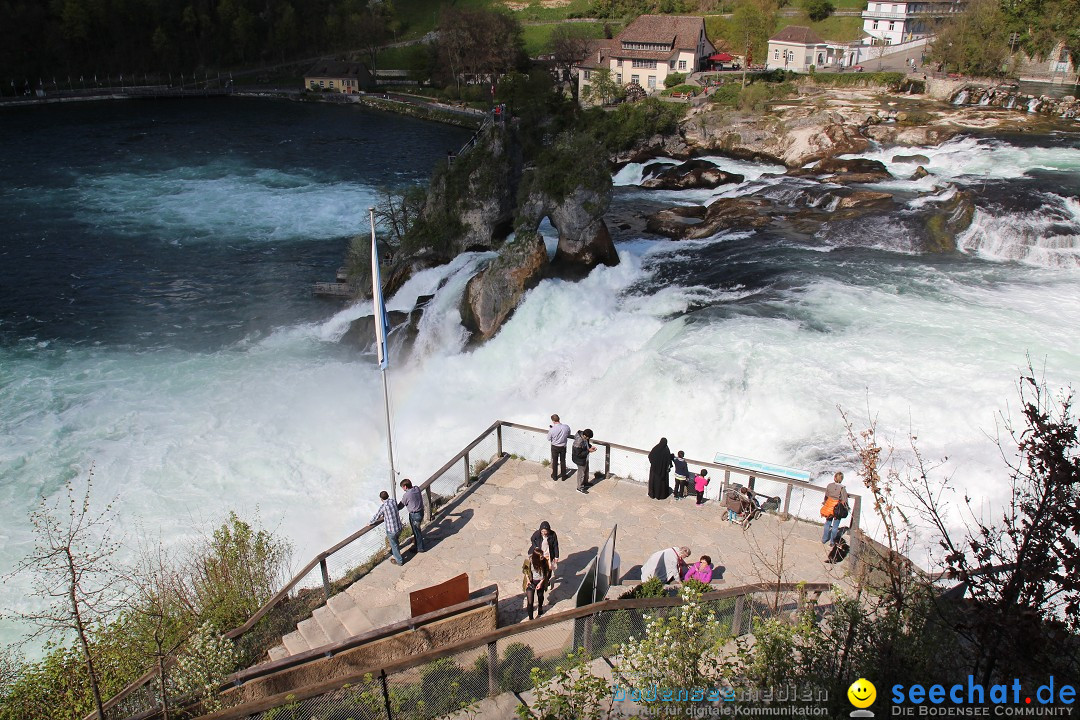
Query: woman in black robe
(660, 458)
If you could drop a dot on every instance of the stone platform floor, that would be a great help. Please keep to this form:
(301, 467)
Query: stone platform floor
(486, 534)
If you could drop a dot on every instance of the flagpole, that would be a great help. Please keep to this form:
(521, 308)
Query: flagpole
(381, 330)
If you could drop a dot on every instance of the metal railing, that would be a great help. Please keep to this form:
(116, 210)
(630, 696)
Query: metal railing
(364, 548)
(456, 676)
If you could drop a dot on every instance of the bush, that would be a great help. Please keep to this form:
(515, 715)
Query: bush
(674, 79)
(818, 10)
(651, 588)
(683, 89)
(622, 128)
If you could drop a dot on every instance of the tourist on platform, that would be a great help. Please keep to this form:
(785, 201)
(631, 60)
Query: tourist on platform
(660, 458)
(546, 541)
(388, 513)
(682, 476)
(413, 501)
(580, 455)
(536, 574)
(835, 494)
(700, 482)
(558, 434)
(701, 570)
(669, 565)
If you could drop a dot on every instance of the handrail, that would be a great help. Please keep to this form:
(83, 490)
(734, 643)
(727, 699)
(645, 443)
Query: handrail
(720, 466)
(297, 696)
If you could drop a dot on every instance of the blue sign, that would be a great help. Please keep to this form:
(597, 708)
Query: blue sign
(757, 466)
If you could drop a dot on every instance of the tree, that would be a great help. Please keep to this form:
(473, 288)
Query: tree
(568, 45)
(818, 10)
(752, 23)
(602, 87)
(479, 45)
(71, 569)
(974, 42)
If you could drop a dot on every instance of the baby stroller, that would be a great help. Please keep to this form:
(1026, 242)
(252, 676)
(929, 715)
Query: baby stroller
(743, 506)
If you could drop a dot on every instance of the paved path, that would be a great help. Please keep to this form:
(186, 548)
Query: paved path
(487, 534)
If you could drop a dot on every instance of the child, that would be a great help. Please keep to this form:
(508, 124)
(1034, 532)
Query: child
(682, 477)
(699, 484)
(701, 571)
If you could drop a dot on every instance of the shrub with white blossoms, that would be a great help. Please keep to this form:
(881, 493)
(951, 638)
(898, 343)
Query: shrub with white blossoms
(679, 650)
(205, 662)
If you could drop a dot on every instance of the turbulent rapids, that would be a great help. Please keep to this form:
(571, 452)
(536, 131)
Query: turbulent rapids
(155, 317)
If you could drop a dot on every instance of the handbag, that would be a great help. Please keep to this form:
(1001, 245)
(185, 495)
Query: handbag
(840, 511)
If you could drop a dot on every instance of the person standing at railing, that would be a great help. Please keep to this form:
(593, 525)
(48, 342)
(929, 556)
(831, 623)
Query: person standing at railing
(413, 501)
(546, 541)
(388, 513)
(558, 434)
(660, 461)
(580, 455)
(682, 476)
(700, 482)
(835, 496)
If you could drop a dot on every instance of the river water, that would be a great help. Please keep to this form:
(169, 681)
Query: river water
(156, 319)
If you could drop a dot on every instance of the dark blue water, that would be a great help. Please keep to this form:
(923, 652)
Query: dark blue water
(188, 223)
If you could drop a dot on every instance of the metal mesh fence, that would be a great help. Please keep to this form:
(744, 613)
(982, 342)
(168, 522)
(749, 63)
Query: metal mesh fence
(444, 686)
(528, 444)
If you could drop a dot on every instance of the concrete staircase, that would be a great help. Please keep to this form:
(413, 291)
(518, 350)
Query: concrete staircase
(339, 619)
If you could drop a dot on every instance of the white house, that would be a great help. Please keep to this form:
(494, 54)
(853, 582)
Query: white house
(647, 50)
(797, 48)
(891, 23)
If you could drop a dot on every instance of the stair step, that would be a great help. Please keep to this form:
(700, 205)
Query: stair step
(277, 652)
(294, 643)
(349, 614)
(312, 633)
(334, 630)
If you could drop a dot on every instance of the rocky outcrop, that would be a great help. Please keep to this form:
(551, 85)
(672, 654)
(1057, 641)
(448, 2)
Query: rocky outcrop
(797, 136)
(584, 239)
(724, 214)
(919, 174)
(948, 219)
(846, 171)
(920, 159)
(672, 146)
(688, 175)
(494, 292)
(864, 200)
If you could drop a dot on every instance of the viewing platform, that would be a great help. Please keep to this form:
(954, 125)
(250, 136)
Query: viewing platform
(374, 637)
(487, 536)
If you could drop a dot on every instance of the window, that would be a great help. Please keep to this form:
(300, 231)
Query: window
(892, 24)
(322, 83)
(331, 84)
(635, 79)
(682, 64)
(588, 74)
(875, 25)
(671, 65)
(313, 84)
(775, 54)
(618, 78)
(646, 64)
(652, 82)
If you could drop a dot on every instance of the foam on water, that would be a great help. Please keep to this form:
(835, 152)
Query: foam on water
(223, 202)
(966, 158)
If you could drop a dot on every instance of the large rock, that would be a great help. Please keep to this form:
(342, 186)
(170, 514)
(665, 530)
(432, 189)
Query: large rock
(494, 292)
(723, 214)
(864, 200)
(689, 175)
(947, 220)
(852, 166)
(920, 159)
(584, 239)
(673, 146)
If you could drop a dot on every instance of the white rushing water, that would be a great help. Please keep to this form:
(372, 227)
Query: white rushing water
(291, 423)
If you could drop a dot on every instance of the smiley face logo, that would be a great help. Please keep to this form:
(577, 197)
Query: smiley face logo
(862, 693)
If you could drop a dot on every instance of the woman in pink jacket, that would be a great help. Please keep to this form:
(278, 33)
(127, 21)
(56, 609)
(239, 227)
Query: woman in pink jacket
(702, 570)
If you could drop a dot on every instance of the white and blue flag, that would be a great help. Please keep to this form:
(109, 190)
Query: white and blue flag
(382, 326)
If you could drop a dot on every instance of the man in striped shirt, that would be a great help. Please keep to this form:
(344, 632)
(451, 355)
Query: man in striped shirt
(388, 513)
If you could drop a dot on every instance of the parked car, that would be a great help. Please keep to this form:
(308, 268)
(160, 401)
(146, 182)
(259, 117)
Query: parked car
(857, 68)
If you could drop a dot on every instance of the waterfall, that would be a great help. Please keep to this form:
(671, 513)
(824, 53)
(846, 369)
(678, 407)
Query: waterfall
(1033, 105)
(961, 98)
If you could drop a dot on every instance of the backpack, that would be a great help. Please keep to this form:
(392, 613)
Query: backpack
(838, 552)
(840, 511)
(829, 507)
(579, 453)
